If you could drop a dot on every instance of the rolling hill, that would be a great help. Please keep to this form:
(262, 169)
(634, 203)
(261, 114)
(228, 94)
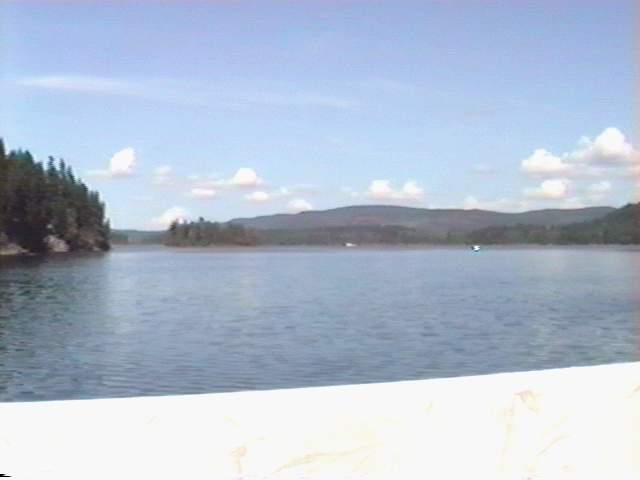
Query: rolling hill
(372, 224)
(438, 222)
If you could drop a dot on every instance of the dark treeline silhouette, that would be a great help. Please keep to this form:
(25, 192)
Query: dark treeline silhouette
(203, 233)
(359, 234)
(620, 227)
(41, 205)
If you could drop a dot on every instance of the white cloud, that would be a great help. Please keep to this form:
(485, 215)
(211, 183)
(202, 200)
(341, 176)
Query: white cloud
(202, 193)
(174, 213)
(245, 177)
(500, 205)
(412, 191)
(299, 205)
(121, 164)
(609, 150)
(553, 189)
(382, 190)
(258, 197)
(261, 196)
(543, 162)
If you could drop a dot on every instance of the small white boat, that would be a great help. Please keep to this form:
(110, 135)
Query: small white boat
(475, 248)
(350, 245)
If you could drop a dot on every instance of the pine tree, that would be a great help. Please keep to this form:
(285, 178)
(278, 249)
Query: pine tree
(36, 201)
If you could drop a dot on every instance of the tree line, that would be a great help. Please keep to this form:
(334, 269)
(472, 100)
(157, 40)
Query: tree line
(202, 233)
(39, 202)
(619, 227)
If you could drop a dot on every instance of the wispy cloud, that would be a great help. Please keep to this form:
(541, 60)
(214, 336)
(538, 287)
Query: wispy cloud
(188, 92)
(163, 176)
(483, 169)
(80, 83)
(298, 205)
(258, 197)
(202, 193)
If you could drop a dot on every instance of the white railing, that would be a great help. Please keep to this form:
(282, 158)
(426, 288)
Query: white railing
(574, 423)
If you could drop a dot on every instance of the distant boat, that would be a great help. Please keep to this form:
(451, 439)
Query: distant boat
(350, 245)
(475, 248)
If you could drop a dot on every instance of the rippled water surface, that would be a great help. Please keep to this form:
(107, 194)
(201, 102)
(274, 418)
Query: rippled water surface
(149, 321)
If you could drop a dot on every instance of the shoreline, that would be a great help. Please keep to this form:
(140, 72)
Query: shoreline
(371, 247)
(14, 251)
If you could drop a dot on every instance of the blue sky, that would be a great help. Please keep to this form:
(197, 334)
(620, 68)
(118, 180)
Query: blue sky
(243, 108)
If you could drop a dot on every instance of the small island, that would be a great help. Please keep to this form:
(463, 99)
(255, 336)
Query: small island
(46, 209)
(204, 234)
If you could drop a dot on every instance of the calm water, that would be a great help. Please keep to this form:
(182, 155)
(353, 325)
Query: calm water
(149, 321)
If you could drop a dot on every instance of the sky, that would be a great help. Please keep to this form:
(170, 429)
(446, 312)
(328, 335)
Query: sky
(224, 109)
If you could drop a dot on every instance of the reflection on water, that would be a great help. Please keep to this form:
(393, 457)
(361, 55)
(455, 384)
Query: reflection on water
(147, 321)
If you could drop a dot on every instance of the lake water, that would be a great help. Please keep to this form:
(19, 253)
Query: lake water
(154, 321)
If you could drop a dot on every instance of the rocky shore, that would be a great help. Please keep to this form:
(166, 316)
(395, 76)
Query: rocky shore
(53, 244)
(10, 249)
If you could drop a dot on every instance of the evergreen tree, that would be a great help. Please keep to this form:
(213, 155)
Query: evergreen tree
(36, 202)
(203, 234)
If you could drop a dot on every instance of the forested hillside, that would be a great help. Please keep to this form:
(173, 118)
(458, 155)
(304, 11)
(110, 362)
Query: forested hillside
(426, 221)
(622, 227)
(46, 208)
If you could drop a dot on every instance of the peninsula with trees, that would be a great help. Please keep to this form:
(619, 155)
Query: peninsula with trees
(46, 208)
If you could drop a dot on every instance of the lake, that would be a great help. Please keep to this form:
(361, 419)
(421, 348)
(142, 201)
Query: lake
(156, 321)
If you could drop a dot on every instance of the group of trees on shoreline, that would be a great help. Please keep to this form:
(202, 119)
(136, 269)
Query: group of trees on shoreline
(39, 202)
(620, 227)
(202, 233)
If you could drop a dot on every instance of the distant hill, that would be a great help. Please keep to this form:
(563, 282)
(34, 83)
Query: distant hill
(621, 226)
(436, 222)
(404, 225)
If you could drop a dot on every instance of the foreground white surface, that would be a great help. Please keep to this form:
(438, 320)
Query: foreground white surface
(577, 423)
